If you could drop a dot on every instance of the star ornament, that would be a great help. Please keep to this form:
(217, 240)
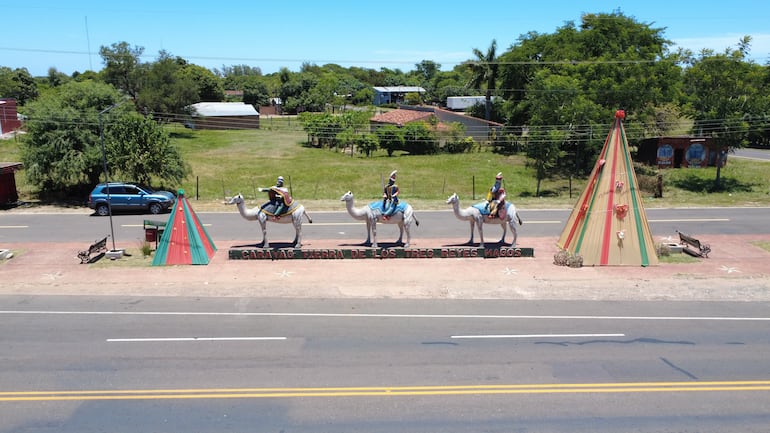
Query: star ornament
(510, 271)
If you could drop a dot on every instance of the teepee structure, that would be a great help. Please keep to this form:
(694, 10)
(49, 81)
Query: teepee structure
(185, 240)
(608, 226)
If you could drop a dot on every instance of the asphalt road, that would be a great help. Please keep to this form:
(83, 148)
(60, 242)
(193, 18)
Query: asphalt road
(70, 227)
(760, 154)
(82, 364)
(147, 364)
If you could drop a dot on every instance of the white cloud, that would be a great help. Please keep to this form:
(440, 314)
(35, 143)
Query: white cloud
(759, 47)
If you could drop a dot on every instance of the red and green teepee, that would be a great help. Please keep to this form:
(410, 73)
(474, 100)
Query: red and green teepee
(185, 240)
(608, 226)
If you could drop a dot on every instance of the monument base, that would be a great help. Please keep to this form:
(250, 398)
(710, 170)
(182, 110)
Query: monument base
(377, 253)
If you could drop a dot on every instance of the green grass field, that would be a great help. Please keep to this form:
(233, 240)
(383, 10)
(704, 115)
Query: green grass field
(225, 163)
(228, 162)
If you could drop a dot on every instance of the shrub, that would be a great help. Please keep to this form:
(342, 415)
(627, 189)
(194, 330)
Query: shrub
(566, 258)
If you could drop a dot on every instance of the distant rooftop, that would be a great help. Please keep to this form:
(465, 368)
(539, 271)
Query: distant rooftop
(400, 89)
(214, 109)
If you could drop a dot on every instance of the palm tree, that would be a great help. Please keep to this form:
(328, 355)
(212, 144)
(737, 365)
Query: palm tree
(484, 71)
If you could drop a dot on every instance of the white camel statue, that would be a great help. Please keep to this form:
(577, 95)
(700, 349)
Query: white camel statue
(476, 218)
(373, 216)
(256, 214)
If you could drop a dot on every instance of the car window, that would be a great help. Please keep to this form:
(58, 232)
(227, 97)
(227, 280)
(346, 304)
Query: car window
(117, 189)
(131, 190)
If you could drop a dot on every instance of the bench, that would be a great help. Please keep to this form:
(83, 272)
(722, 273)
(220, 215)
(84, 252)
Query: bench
(693, 246)
(95, 248)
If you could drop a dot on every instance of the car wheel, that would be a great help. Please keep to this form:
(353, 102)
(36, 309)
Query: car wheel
(102, 209)
(155, 208)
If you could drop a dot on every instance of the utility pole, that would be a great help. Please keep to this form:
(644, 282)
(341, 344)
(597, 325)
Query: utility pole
(114, 253)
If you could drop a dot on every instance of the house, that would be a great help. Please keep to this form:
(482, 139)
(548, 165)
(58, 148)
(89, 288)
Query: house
(394, 94)
(224, 115)
(275, 108)
(676, 152)
(478, 129)
(9, 118)
(8, 193)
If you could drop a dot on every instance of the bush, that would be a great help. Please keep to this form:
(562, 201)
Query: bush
(566, 258)
(460, 146)
(662, 250)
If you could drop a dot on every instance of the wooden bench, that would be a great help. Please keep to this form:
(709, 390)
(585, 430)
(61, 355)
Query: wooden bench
(95, 248)
(693, 246)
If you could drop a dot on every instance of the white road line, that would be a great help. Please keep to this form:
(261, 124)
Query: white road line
(693, 220)
(143, 340)
(381, 315)
(352, 223)
(141, 225)
(14, 227)
(537, 336)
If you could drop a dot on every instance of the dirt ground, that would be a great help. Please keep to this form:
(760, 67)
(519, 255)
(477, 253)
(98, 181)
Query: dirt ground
(736, 270)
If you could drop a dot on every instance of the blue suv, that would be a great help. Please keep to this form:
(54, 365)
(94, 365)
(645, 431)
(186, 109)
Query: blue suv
(130, 197)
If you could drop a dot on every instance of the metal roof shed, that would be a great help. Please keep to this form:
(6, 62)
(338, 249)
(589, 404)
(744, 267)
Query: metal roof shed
(393, 94)
(224, 115)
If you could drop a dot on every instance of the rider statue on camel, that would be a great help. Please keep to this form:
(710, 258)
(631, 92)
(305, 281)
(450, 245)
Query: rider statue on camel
(496, 198)
(279, 199)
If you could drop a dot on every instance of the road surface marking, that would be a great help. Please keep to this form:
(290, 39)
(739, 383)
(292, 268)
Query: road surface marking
(538, 336)
(396, 391)
(143, 340)
(692, 220)
(142, 225)
(381, 315)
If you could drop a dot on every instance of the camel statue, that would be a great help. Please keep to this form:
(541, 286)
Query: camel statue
(256, 214)
(372, 214)
(477, 218)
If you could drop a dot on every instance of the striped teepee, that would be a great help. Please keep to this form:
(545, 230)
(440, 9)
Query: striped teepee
(185, 240)
(608, 226)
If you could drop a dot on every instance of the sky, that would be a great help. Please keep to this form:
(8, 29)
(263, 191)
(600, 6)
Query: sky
(395, 34)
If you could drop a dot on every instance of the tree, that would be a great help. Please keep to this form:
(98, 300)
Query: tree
(484, 72)
(139, 149)
(56, 78)
(168, 90)
(322, 128)
(617, 62)
(428, 73)
(390, 137)
(420, 139)
(725, 93)
(17, 84)
(209, 86)
(544, 149)
(255, 91)
(62, 149)
(122, 67)
(557, 102)
(367, 143)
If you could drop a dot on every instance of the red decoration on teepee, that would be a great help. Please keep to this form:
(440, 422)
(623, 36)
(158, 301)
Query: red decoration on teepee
(185, 240)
